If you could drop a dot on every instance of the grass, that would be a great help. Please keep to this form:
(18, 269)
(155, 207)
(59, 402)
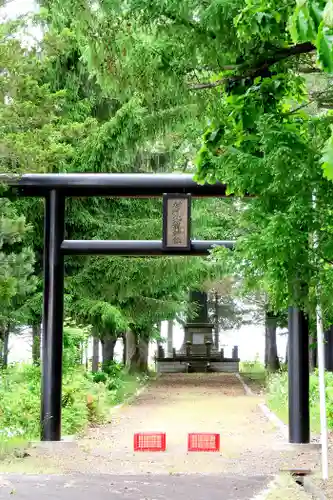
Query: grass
(254, 374)
(128, 387)
(13, 447)
(275, 386)
(87, 400)
(277, 398)
(252, 367)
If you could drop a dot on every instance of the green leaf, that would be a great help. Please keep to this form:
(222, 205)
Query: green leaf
(328, 14)
(316, 14)
(311, 32)
(327, 157)
(229, 191)
(302, 27)
(324, 44)
(293, 26)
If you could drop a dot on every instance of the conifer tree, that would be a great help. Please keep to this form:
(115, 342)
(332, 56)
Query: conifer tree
(60, 119)
(238, 72)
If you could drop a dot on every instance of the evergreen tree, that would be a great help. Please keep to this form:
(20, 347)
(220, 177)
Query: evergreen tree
(245, 86)
(16, 273)
(60, 119)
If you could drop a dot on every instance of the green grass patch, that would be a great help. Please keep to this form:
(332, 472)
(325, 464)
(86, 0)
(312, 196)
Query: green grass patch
(277, 398)
(277, 394)
(13, 447)
(276, 388)
(252, 367)
(254, 375)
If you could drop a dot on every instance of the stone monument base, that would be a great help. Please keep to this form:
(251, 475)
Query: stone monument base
(200, 365)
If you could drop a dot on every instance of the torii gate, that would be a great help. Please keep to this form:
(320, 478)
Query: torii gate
(55, 188)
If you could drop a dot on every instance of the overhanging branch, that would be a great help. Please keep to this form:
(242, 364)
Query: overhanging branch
(260, 67)
(313, 99)
(209, 85)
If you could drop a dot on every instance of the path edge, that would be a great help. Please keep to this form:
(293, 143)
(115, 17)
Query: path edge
(248, 391)
(308, 485)
(271, 416)
(136, 394)
(263, 494)
(130, 399)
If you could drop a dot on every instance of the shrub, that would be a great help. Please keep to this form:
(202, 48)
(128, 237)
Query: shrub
(73, 340)
(84, 402)
(100, 377)
(86, 399)
(20, 400)
(113, 369)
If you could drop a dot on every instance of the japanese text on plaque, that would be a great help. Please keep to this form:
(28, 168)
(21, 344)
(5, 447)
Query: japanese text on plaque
(177, 222)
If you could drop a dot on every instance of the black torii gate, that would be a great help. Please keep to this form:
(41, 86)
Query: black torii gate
(55, 188)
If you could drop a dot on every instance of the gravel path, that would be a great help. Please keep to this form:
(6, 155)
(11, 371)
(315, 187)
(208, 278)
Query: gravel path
(104, 466)
(178, 404)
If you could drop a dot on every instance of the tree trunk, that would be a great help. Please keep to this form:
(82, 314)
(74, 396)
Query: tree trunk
(81, 353)
(329, 349)
(312, 353)
(108, 345)
(170, 338)
(5, 347)
(124, 348)
(266, 346)
(130, 348)
(36, 329)
(143, 349)
(271, 355)
(85, 346)
(216, 321)
(95, 356)
(287, 350)
(139, 358)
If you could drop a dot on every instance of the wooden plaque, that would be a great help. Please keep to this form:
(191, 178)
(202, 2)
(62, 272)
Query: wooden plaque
(177, 221)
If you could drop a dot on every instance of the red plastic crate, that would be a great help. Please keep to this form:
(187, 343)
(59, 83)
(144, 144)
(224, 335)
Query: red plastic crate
(203, 441)
(149, 441)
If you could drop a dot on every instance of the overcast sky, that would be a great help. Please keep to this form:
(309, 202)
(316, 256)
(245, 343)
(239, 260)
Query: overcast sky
(17, 7)
(14, 8)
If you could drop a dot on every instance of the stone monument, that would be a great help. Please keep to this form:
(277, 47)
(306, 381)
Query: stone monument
(198, 329)
(198, 352)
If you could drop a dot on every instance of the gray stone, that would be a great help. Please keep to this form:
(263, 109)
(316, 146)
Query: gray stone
(171, 367)
(175, 366)
(205, 332)
(67, 442)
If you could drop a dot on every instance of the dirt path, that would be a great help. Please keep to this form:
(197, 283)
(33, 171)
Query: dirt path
(178, 404)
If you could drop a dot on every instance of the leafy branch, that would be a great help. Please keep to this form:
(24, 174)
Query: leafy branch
(259, 68)
(315, 96)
